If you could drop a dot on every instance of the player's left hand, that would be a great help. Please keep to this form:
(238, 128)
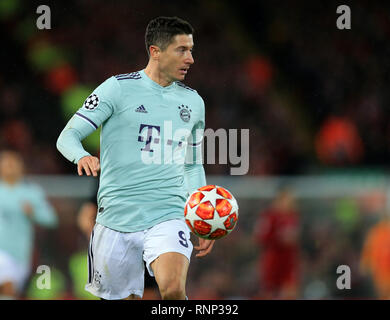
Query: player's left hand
(28, 209)
(204, 247)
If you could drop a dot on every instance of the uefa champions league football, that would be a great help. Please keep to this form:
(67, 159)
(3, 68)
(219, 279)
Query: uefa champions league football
(211, 212)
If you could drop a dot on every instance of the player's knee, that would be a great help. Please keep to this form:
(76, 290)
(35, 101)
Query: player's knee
(173, 292)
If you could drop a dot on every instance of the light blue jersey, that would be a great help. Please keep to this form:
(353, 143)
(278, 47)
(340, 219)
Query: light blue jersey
(150, 148)
(16, 229)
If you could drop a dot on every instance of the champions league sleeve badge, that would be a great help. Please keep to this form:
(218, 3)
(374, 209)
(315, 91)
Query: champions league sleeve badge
(185, 113)
(92, 102)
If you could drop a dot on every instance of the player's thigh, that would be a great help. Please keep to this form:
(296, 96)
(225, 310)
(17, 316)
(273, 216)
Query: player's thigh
(13, 275)
(133, 297)
(167, 251)
(170, 270)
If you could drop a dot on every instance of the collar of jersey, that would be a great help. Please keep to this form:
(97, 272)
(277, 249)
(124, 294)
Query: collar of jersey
(154, 84)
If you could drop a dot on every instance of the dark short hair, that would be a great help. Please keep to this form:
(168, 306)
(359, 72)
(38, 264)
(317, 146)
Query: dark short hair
(161, 30)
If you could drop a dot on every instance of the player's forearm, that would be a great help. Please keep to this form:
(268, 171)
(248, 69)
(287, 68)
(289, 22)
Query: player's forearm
(46, 216)
(69, 144)
(69, 141)
(40, 210)
(194, 176)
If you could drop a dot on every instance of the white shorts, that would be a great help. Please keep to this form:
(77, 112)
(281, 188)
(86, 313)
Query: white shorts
(12, 271)
(116, 259)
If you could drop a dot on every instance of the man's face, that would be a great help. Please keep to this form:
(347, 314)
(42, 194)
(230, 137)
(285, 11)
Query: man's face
(176, 59)
(11, 166)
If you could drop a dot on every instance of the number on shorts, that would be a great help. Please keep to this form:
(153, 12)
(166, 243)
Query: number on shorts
(182, 236)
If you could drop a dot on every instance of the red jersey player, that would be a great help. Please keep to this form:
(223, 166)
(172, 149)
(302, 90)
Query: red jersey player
(277, 233)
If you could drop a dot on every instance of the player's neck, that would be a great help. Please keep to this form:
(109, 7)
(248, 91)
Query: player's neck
(154, 74)
(11, 181)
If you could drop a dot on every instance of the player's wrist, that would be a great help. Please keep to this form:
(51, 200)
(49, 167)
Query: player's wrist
(29, 215)
(81, 157)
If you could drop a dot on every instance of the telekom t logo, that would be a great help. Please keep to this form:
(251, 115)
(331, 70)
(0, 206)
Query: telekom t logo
(162, 145)
(149, 136)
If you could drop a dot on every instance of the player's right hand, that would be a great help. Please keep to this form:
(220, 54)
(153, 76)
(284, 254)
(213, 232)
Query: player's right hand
(204, 247)
(89, 164)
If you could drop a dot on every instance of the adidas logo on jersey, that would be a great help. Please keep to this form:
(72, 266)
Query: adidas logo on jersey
(141, 108)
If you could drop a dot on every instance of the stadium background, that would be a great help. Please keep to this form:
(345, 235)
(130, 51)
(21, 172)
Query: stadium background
(314, 98)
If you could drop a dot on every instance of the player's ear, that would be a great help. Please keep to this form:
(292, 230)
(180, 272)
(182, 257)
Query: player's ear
(154, 52)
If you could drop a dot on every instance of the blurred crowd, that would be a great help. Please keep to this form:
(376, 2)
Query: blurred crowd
(314, 98)
(280, 70)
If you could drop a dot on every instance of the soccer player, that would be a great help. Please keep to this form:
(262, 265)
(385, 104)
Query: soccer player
(21, 205)
(277, 232)
(152, 128)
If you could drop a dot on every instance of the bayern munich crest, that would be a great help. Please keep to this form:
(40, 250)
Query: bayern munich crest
(185, 113)
(91, 102)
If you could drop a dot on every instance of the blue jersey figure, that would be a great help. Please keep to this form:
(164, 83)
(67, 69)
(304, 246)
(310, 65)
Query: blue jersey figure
(21, 205)
(144, 141)
(150, 147)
